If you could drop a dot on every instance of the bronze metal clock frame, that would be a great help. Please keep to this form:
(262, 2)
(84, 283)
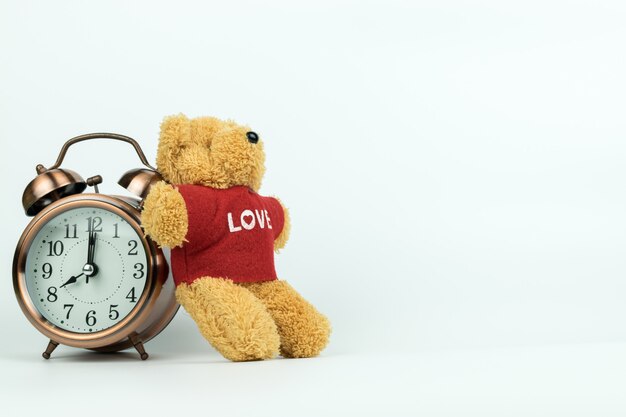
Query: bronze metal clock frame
(55, 191)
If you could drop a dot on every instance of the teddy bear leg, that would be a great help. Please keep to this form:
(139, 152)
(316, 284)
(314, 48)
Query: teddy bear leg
(304, 331)
(231, 318)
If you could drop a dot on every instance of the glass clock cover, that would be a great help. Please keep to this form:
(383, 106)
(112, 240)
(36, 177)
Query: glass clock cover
(86, 269)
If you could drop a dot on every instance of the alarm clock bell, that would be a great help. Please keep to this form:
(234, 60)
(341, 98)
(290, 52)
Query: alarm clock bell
(49, 186)
(52, 184)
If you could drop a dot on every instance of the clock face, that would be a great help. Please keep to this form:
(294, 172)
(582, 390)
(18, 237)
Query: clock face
(86, 269)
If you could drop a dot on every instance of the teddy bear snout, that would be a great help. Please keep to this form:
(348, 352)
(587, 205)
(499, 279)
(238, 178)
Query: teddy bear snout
(252, 137)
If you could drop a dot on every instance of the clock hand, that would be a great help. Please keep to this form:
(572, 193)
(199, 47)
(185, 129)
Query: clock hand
(90, 269)
(93, 255)
(90, 246)
(93, 248)
(71, 280)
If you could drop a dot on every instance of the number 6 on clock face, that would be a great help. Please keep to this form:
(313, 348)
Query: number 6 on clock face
(85, 269)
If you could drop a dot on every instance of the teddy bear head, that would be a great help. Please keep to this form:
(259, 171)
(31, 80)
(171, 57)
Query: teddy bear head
(209, 151)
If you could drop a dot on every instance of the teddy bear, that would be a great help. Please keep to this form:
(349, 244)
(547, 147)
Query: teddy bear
(223, 236)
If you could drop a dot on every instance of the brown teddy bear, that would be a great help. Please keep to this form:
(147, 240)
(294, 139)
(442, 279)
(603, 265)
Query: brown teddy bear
(223, 236)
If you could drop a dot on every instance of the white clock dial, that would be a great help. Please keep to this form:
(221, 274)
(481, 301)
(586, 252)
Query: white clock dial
(78, 291)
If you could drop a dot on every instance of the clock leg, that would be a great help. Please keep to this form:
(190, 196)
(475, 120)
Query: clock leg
(138, 344)
(51, 346)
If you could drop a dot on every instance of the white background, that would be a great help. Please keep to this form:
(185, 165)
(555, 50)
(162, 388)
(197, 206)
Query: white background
(454, 172)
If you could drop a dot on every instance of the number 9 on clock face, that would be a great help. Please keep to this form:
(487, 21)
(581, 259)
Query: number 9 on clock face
(86, 269)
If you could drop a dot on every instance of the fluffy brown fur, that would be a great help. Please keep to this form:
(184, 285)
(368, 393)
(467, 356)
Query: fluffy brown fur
(282, 239)
(247, 321)
(164, 215)
(209, 151)
(304, 332)
(231, 318)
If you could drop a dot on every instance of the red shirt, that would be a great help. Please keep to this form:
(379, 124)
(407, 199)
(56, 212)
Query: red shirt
(230, 235)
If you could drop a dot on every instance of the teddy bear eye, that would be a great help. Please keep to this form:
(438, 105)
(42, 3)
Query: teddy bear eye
(252, 137)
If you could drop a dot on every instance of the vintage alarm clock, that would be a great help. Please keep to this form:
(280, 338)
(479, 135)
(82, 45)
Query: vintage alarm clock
(84, 273)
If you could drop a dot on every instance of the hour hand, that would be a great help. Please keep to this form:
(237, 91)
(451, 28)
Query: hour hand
(71, 280)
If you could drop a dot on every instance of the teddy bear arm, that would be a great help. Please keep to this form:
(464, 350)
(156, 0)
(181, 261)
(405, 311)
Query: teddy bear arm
(164, 216)
(283, 237)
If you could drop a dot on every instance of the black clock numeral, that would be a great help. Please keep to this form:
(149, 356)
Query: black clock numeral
(47, 270)
(131, 295)
(71, 235)
(55, 248)
(116, 226)
(69, 307)
(139, 268)
(133, 247)
(94, 223)
(113, 313)
(52, 294)
(90, 318)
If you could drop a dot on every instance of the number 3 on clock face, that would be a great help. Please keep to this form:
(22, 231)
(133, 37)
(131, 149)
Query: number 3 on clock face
(86, 269)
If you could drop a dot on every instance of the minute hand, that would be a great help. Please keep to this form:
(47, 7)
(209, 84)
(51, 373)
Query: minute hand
(89, 246)
(92, 248)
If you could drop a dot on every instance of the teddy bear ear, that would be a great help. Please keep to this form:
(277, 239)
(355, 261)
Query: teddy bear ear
(175, 131)
(204, 128)
(175, 134)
